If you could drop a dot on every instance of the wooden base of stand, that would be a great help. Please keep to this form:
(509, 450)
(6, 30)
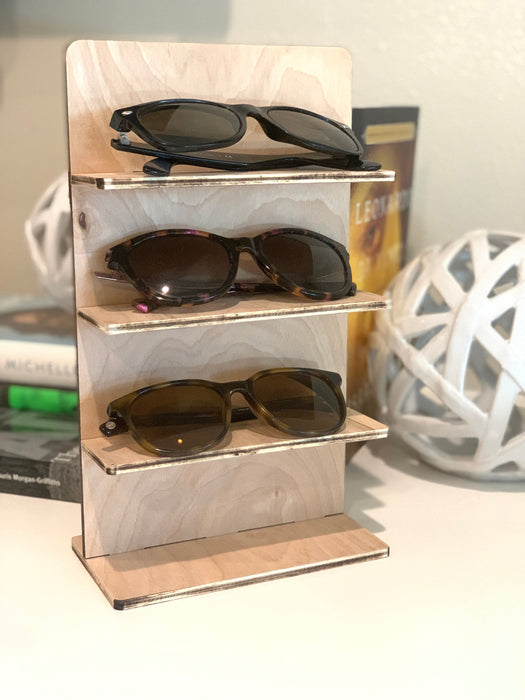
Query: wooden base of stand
(157, 574)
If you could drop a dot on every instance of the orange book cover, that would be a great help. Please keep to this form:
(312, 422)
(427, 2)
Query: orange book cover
(379, 214)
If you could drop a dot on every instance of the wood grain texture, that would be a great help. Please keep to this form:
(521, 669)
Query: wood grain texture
(104, 76)
(111, 366)
(121, 454)
(202, 499)
(157, 506)
(122, 318)
(211, 564)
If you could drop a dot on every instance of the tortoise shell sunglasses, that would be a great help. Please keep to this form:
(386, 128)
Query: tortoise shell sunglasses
(182, 266)
(185, 417)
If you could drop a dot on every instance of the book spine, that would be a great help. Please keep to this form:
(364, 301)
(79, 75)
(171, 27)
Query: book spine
(38, 363)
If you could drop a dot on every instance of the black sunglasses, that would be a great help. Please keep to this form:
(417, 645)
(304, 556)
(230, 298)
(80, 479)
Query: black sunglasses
(188, 416)
(179, 266)
(184, 131)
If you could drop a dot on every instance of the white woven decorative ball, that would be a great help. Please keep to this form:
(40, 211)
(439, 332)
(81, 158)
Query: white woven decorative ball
(49, 236)
(447, 361)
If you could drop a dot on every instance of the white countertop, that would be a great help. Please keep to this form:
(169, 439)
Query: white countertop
(442, 617)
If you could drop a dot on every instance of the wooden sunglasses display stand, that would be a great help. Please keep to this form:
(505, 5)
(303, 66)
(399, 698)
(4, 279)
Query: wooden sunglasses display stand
(262, 505)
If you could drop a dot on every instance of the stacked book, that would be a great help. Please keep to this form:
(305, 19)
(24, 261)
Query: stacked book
(39, 431)
(379, 214)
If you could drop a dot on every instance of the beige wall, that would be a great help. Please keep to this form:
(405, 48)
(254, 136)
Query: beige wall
(462, 63)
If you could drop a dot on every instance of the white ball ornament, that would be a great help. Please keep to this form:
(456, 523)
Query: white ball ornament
(447, 360)
(49, 235)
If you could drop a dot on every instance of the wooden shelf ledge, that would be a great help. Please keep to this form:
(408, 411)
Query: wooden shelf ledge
(123, 318)
(165, 572)
(199, 177)
(120, 453)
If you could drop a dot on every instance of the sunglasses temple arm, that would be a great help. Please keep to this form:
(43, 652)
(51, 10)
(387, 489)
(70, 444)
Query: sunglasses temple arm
(111, 276)
(243, 413)
(254, 288)
(163, 161)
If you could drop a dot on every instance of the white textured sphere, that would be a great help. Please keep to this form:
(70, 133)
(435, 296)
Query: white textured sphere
(49, 236)
(447, 361)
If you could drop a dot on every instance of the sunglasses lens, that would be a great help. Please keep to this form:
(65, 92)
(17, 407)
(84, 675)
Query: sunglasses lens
(301, 401)
(179, 419)
(315, 129)
(192, 124)
(305, 262)
(181, 265)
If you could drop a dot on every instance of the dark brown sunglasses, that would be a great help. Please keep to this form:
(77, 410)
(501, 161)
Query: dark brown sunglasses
(181, 266)
(189, 416)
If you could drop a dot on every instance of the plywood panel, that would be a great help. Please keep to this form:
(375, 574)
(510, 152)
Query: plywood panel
(207, 178)
(155, 506)
(123, 318)
(201, 499)
(212, 564)
(104, 76)
(121, 454)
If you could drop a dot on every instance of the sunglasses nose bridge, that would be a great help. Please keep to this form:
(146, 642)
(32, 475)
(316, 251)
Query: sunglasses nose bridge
(249, 110)
(245, 245)
(234, 387)
(256, 113)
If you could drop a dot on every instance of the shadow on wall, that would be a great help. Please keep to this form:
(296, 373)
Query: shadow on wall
(197, 20)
